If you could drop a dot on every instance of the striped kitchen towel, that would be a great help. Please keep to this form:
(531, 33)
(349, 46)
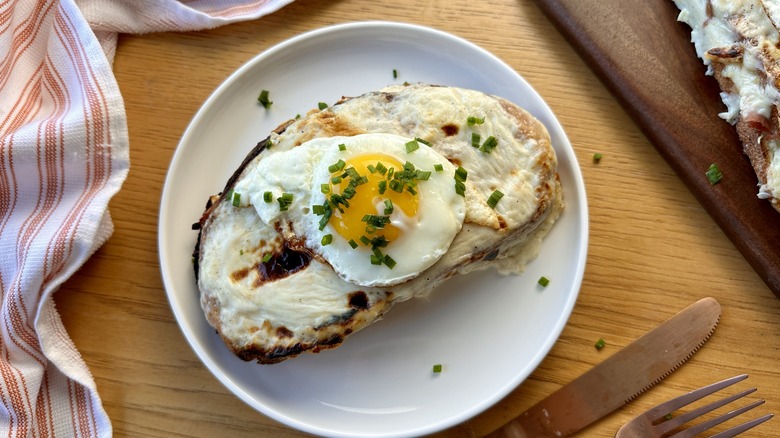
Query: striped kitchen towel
(63, 155)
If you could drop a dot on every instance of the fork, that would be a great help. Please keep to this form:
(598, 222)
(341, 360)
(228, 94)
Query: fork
(659, 421)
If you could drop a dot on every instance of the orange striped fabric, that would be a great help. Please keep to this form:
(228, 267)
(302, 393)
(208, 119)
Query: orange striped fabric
(64, 152)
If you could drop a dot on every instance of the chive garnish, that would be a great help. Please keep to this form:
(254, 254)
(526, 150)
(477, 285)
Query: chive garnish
(489, 144)
(494, 198)
(380, 167)
(263, 99)
(543, 281)
(425, 142)
(382, 187)
(352, 243)
(336, 180)
(268, 197)
(461, 174)
(437, 368)
(337, 166)
(475, 139)
(412, 146)
(395, 74)
(322, 105)
(365, 240)
(376, 220)
(388, 206)
(319, 210)
(601, 343)
(438, 167)
(371, 168)
(597, 157)
(325, 188)
(376, 260)
(471, 120)
(236, 199)
(342, 147)
(327, 239)
(714, 175)
(285, 201)
(267, 257)
(388, 261)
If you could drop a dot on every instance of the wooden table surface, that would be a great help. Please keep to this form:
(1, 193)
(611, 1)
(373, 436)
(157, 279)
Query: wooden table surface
(653, 249)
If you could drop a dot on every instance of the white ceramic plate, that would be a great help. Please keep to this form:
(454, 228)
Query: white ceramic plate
(488, 331)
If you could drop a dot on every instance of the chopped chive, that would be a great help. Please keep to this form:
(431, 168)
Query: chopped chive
(601, 343)
(236, 199)
(543, 281)
(337, 166)
(376, 260)
(395, 74)
(388, 206)
(461, 174)
(597, 157)
(489, 144)
(376, 220)
(388, 261)
(494, 198)
(322, 105)
(471, 120)
(263, 99)
(390, 173)
(422, 175)
(412, 146)
(714, 175)
(365, 240)
(267, 257)
(438, 167)
(380, 167)
(327, 239)
(371, 168)
(475, 139)
(426, 143)
(396, 186)
(460, 188)
(336, 180)
(325, 188)
(437, 368)
(382, 187)
(352, 243)
(370, 229)
(285, 201)
(241, 252)
(319, 210)
(342, 147)
(411, 190)
(268, 197)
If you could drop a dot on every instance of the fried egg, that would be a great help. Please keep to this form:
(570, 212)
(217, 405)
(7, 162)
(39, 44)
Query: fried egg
(379, 208)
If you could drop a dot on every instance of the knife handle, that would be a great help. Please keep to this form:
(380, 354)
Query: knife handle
(520, 428)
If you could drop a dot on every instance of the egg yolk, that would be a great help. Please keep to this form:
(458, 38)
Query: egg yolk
(368, 200)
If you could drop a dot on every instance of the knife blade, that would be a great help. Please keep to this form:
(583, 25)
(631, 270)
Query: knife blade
(620, 378)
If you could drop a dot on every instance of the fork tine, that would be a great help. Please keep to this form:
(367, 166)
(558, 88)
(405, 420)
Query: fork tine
(669, 425)
(676, 403)
(699, 428)
(736, 430)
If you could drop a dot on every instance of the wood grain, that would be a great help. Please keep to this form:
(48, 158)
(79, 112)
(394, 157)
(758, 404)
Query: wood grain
(647, 60)
(653, 248)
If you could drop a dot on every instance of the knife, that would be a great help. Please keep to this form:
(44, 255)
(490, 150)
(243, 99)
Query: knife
(620, 378)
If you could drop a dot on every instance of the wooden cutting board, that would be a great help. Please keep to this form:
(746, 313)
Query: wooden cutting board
(645, 57)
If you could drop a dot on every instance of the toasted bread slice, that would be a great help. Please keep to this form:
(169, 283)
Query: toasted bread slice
(738, 41)
(270, 298)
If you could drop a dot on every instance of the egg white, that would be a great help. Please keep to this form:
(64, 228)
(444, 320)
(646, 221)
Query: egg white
(300, 171)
